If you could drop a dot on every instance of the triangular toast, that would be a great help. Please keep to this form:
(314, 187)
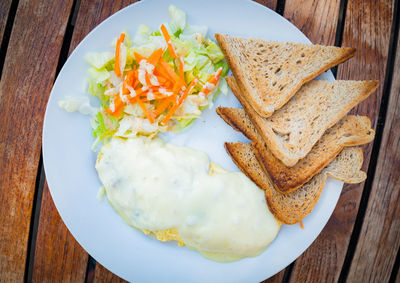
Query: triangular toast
(292, 208)
(270, 73)
(350, 131)
(292, 131)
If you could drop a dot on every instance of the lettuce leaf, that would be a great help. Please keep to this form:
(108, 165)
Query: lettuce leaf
(99, 60)
(178, 17)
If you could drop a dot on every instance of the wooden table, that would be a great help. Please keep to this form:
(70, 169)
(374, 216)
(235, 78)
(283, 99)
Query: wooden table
(361, 241)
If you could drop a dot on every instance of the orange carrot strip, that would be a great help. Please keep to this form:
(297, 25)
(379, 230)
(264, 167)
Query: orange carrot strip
(301, 224)
(167, 38)
(130, 77)
(145, 111)
(147, 77)
(188, 90)
(155, 56)
(213, 80)
(160, 71)
(162, 106)
(177, 87)
(118, 105)
(117, 67)
(170, 71)
(138, 57)
(176, 106)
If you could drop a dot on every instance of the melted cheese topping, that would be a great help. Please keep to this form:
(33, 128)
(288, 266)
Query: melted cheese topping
(157, 186)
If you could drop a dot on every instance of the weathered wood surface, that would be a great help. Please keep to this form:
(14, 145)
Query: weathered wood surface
(367, 27)
(103, 275)
(5, 6)
(48, 264)
(58, 256)
(28, 75)
(380, 238)
(268, 3)
(310, 16)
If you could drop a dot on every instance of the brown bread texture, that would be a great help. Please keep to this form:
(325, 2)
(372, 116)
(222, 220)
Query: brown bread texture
(270, 73)
(350, 131)
(292, 131)
(293, 207)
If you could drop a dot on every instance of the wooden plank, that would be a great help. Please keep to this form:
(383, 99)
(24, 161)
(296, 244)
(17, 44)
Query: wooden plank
(367, 27)
(277, 278)
(380, 233)
(48, 265)
(28, 74)
(268, 3)
(316, 19)
(58, 257)
(5, 6)
(102, 274)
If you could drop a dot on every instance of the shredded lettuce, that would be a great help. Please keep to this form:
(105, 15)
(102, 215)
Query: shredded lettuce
(178, 17)
(202, 58)
(77, 103)
(99, 60)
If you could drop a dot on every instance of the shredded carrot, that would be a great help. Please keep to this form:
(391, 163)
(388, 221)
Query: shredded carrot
(155, 56)
(161, 72)
(145, 111)
(213, 80)
(162, 106)
(147, 77)
(188, 90)
(138, 57)
(176, 105)
(301, 224)
(167, 38)
(170, 71)
(118, 106)
(117, 68)
(130, 77)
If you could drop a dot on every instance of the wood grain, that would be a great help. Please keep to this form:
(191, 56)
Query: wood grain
(268, 3)
(277, 278)
(29, 71)
(53, 237)
(367, 27)
(380, 233)
(316, 19)
(103, 275)
(5, 6)
(58, 257)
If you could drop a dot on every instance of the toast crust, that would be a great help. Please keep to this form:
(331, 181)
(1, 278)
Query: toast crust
(292, 208)
(263, 97)
(350, 131)
(275, 130)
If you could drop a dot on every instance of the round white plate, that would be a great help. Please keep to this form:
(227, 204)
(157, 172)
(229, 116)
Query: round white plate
(69, 162)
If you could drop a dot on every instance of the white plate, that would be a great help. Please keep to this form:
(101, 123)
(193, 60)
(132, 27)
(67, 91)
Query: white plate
(73, 181)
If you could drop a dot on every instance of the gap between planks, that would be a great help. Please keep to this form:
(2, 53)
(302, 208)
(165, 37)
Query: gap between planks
(376, 146)
(40, 178)
(7, 33)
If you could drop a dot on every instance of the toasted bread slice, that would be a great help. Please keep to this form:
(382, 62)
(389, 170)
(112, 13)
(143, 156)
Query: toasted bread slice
(292, 208)
(350, 131)
(294, 129)
(270, 73)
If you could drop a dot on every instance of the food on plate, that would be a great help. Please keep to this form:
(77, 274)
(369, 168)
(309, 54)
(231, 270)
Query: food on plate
(270, 73)
(299, 135)
(292, 131)
(175, 193)
(294, 207)
(350, 131)
(159, 80)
